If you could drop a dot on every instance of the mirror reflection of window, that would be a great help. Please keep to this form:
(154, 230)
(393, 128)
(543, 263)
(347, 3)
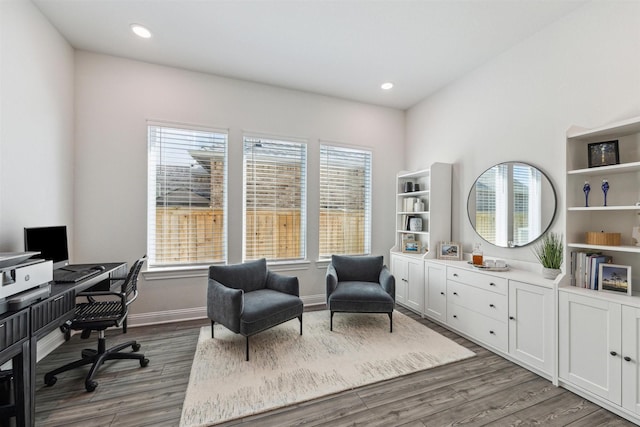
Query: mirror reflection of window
(511, 204)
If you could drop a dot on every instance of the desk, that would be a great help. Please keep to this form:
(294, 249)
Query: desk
(23, 329)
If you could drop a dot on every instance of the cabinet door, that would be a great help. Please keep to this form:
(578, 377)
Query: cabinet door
(399, 271)
(630, 355)
(435, 281)
(590, 344)
(415, 285)
(531, 319)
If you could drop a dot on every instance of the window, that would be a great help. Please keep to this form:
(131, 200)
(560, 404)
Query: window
(345, 201)
(274, 199)
(187, 196)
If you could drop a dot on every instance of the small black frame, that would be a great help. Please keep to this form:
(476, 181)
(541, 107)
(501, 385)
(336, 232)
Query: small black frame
(603, 153)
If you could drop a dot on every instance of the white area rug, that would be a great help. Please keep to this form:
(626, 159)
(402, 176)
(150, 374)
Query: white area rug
(287, 368)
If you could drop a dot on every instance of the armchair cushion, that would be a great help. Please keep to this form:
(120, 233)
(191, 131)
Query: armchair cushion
(265, 308)
(357, 268)
(361, 297)
(249, 276)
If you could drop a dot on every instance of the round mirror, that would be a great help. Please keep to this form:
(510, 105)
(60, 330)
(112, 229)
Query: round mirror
(511, 204)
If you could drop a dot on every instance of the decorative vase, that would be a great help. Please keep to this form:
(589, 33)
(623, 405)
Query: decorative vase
(605, 188)
(415, 224)
(550, 273)
(586, 188)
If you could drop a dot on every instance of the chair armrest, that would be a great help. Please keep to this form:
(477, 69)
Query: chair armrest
(90, 296)
(281, 283)
(332, 280)
(388, 282)
(225, 305)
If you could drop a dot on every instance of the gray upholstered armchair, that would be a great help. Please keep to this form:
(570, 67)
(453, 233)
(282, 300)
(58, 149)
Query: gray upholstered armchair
(360, 284)
(248, 298)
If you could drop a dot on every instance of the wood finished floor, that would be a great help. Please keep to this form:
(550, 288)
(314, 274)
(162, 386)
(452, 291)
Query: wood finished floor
(483, 390)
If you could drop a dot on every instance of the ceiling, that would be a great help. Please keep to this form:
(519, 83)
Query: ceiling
(345, 49)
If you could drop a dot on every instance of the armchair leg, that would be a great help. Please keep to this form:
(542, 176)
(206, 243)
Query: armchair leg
(300, 318)
(390, 322)
(212, 323)
(331, 322)
(247, 350)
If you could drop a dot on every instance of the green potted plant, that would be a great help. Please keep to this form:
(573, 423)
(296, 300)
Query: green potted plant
(550, 253)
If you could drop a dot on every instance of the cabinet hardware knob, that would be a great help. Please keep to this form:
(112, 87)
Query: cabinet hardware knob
(613, 353)
(441, 293)
(492, 284)
(455, 316)
(627, 358)
(455, 274)
(492, 333)
(455, 293)
(512, 318)
(492, 306)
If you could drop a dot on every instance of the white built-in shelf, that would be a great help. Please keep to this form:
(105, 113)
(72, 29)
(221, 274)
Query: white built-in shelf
(605, 208)
(414, 193)
(422, 212)
(414, 174)
(614, 130)
(608, 170)
(424, 233)
(622, 248)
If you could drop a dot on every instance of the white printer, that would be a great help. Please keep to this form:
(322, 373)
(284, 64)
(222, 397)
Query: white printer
(24, 280)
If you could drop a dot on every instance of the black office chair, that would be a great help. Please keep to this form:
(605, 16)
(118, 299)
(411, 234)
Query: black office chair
(98, 315)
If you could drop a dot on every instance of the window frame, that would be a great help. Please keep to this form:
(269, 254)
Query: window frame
(151, 242)
(367, 196)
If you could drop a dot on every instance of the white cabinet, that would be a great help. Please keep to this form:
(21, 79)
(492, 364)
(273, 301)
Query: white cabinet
(429, 205)
(590, 344)
(435, 288)
(531, 325)
(630, 359)
(477, 306)
(409, 274)
(513, 313)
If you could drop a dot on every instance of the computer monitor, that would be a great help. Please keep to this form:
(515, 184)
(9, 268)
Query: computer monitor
(51, 242)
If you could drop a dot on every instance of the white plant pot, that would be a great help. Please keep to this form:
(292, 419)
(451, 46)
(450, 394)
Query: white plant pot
(550, 273)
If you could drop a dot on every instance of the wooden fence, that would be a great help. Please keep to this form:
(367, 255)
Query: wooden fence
(196, 235)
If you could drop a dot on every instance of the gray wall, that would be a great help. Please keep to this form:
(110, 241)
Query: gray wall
(583, 70)
(36, 124)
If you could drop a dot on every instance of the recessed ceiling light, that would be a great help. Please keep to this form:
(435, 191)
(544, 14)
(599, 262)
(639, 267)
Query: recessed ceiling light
(141, 31)
(386, 86)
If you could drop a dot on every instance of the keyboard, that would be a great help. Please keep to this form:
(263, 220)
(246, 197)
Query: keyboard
(65, 276)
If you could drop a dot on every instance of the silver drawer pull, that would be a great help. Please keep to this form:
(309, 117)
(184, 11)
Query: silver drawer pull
(58, 298)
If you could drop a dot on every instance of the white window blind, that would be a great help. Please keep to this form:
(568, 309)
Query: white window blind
(187, 196)
(345, 201)
(275, 174)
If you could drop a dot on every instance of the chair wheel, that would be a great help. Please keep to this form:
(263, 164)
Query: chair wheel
(90, 385)
(144, 362)
(50, 380)
(135, 347)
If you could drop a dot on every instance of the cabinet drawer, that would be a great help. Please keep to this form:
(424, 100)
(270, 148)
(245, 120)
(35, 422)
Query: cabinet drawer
(478, 326)
(53, 311)
(479, 280)
(489, 304)
(14, 329)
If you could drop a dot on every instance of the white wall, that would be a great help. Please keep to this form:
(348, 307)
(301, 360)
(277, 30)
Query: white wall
(582, 70)
(36, 123)
(115, 97)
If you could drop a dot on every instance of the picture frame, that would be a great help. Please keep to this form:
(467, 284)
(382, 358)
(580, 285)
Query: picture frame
(614, 278)
(603, 153)
(411, 247)
(449, 250)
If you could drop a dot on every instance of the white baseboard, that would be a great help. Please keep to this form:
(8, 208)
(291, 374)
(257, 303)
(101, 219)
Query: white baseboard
(55, 338)
(195, 313)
